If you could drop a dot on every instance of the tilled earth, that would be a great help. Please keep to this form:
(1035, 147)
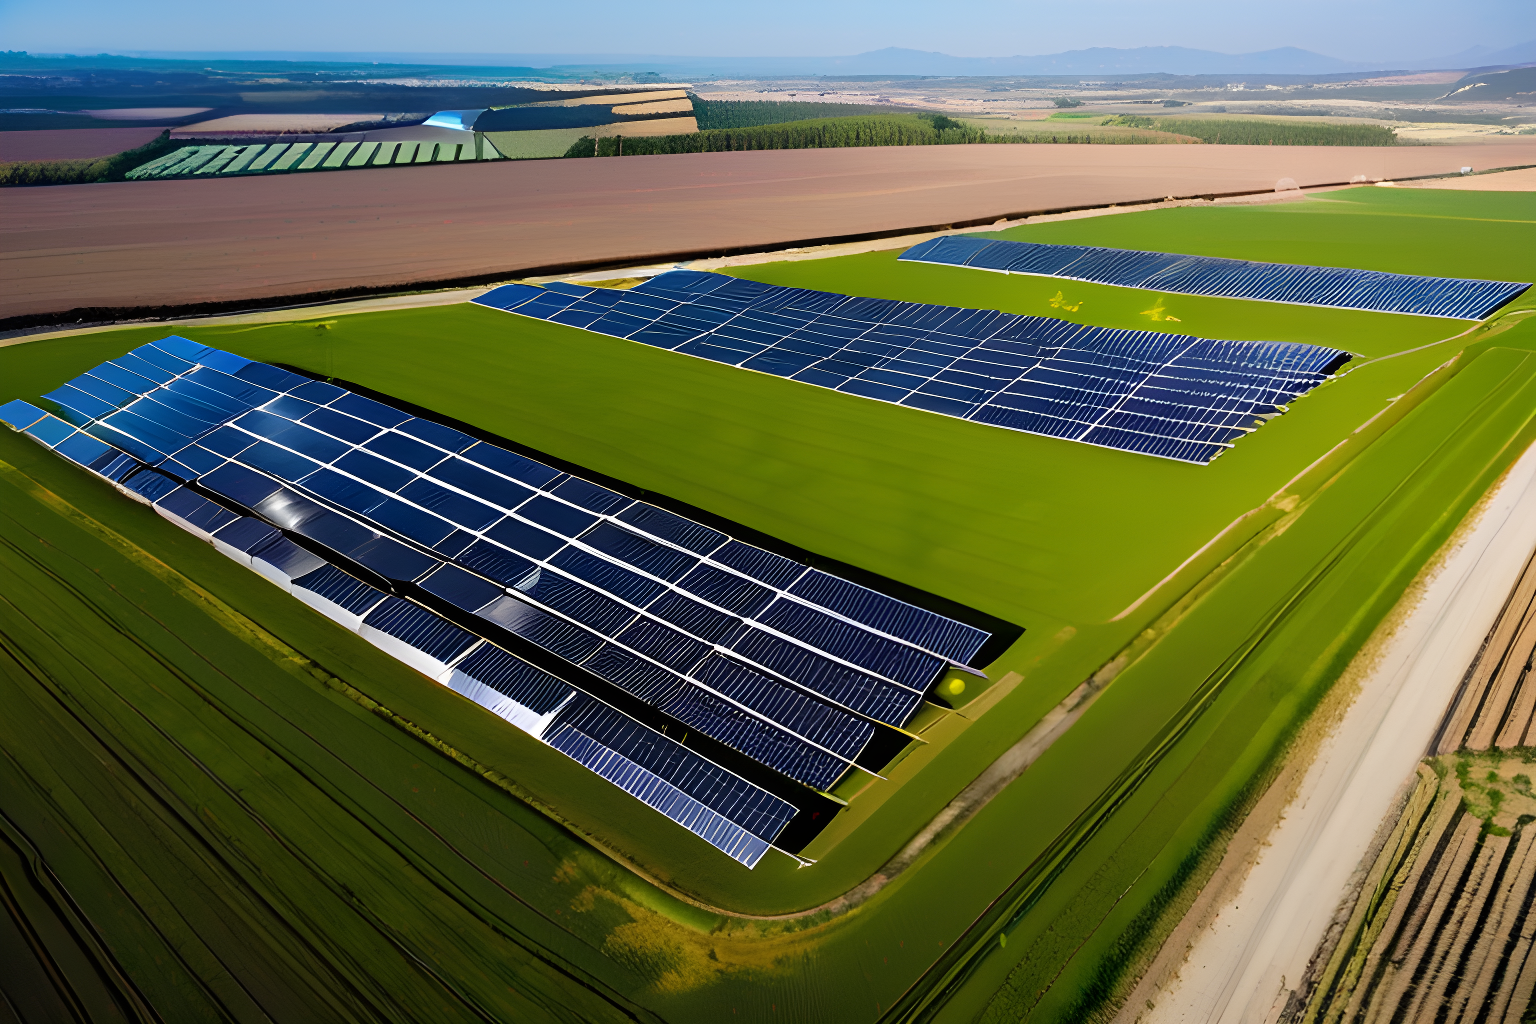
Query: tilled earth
(111, 249)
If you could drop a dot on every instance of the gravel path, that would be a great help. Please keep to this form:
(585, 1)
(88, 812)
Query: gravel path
(1242, 968)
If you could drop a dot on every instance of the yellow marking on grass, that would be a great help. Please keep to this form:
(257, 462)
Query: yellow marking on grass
(1159, 312)
(1058, 302)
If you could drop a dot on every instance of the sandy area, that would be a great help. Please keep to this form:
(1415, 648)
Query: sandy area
(1241, 968)
(658, 126)
(1441, 132)
(72, 143)
(616, 99)
(153, 243)
(1523, 180)
(682, 106)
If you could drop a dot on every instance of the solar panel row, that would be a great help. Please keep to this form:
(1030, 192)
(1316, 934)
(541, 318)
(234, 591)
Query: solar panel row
(1238, 279)
(723, 637)
(726, 810)
(1172, 396)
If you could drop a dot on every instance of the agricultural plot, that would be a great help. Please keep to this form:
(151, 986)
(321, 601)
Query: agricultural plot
(282, 157)
(1442, 919)
(1224, 596)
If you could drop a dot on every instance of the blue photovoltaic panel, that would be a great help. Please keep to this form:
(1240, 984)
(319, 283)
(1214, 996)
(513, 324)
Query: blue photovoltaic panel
(1458, 298)
(340, 589)
(632, 593)
(19, 415)
(1172, 396)
(426, 631)
(764, 743)
(831, 727)
(533, 688)
(290, 438)
(724, 809)
(195, 509)
(954, 640)
(50, 430)
(84, 449)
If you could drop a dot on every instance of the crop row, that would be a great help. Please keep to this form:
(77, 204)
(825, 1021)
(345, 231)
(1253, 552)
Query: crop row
(281, 157)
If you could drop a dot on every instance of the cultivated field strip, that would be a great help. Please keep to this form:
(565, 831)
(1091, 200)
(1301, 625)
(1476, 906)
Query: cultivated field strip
(197, 847)
(122, 247)
(1451, 940)
(228, 161)
(1495, 706)
(1456, 943)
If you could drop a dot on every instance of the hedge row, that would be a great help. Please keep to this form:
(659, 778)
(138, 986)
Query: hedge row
(751, 113)
(1266, 133)
(833, 133)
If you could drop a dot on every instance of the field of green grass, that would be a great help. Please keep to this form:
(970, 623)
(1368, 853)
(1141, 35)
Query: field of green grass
(217, 776)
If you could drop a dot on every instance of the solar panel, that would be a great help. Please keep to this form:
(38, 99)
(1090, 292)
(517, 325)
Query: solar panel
(532, 688)
(1031, 374)
(724, 809)
(638, 596)
(422, 639)
(1457, 298)
(193, 512)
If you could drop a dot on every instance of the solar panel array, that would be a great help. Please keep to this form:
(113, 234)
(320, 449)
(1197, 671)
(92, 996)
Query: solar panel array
(1339, 287)
(781, 662)
(1172, 396)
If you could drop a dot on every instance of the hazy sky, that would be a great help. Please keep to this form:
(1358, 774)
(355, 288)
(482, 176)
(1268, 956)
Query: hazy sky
(1362, 30)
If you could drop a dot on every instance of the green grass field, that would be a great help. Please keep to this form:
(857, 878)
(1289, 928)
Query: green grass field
(212, 795)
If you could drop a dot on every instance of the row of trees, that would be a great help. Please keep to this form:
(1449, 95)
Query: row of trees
(713, 114)
(1238, 132)
(831, 133)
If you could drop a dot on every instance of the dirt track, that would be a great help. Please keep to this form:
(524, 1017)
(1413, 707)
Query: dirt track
(177, 243)
(1243, 964)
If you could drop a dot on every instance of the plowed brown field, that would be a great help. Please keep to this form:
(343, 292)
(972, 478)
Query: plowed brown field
(105, 249)
(72, 143)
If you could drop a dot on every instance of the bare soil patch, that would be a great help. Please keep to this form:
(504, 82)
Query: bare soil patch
(1523, 180)
(71, 143)
(145, 245)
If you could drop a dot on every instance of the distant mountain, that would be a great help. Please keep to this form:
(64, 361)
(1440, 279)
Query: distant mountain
(1100, 60)
(1525, 53)
(1474, 57)
(895, 61)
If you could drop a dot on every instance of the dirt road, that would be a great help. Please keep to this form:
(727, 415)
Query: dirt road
(173, 243)
(1241, 969)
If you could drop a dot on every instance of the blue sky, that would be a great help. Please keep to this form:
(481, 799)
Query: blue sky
(1362, 30)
